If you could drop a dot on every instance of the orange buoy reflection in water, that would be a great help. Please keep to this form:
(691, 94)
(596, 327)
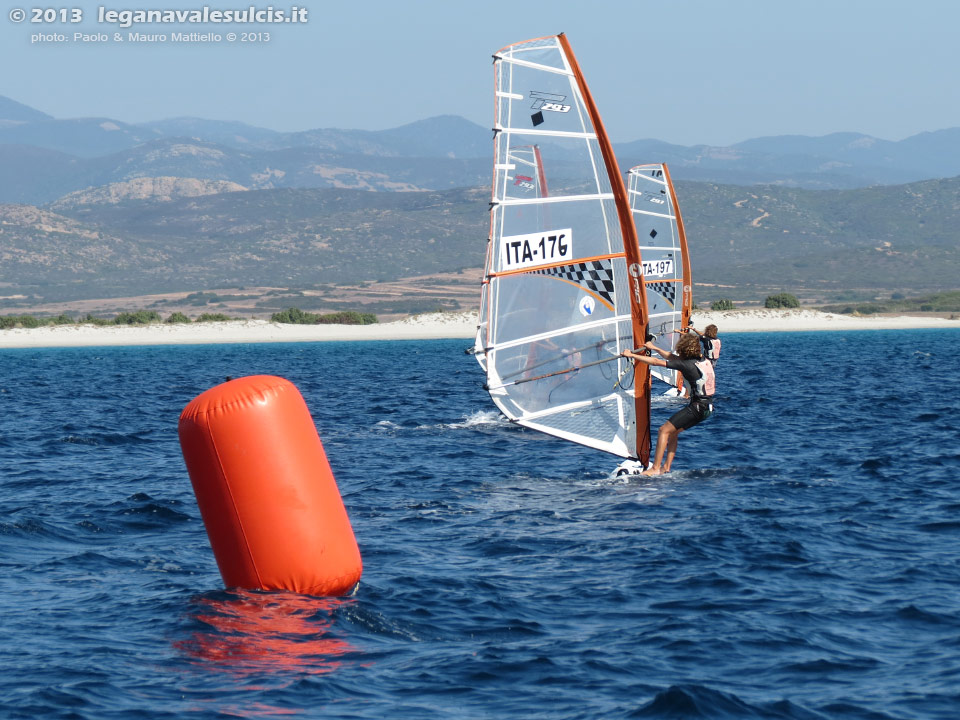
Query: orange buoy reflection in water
(260, 632)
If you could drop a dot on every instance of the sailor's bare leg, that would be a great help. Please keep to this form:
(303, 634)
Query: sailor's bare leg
(667, 430)
(671, 450)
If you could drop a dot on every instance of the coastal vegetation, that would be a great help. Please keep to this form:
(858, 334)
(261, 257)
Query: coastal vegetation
(297, 316)
(137, 317)
(31, 321)
(724, 304)
(148, 317)
(783, 300)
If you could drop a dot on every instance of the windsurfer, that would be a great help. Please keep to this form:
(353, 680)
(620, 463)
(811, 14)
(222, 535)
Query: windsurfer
(710, 342)
(698, 377)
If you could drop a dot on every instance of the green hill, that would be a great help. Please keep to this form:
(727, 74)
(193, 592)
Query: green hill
(745, 242)
(828, 242)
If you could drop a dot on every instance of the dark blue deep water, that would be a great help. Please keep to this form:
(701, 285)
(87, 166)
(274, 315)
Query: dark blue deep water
(802, 560)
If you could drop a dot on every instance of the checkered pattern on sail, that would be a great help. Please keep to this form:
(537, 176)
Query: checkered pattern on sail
(595, 275)
(668, 290)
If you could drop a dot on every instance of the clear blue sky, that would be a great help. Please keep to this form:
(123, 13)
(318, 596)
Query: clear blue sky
(682, 71)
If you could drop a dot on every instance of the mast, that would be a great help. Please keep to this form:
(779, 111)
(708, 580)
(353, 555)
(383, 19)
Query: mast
(541, 176)
(638, 295)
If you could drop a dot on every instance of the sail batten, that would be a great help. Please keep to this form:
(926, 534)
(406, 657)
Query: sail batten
(563, 289)
(506, 273)
(568, 408)
(654, 214)
(533, 66)
(557, 199)
(550, 133)
(558, 331)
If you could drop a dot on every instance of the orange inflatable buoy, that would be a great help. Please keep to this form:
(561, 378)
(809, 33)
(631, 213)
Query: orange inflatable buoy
(266, 493)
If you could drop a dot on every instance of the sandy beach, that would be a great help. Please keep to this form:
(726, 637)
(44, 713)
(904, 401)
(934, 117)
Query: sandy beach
(419, 327)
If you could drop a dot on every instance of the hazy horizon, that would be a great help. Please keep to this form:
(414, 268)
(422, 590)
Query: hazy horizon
(392, 127)
(693, 72)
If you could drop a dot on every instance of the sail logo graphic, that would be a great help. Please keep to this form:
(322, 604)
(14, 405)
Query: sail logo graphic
(524, 181)
(548, 101)
(636, 272)
(587, 306)
(533, 249)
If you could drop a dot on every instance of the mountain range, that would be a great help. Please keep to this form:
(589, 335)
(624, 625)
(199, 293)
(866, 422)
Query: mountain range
(98, 208)
(43, 158)
(174, 235)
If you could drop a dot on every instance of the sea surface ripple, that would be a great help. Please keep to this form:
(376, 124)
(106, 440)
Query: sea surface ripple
(800, 562)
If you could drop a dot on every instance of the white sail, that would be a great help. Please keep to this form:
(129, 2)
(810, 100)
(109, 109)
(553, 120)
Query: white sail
(666, 264)
(558, 302)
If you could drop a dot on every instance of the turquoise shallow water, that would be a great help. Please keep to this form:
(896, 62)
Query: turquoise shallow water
(801, 561)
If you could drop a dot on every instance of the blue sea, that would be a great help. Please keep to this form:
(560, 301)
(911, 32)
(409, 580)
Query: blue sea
(802, 560)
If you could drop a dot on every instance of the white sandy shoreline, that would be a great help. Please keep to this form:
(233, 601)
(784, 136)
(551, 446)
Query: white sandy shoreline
(418, 327)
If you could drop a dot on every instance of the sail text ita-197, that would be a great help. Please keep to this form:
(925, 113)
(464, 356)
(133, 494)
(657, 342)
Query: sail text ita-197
(563, 291)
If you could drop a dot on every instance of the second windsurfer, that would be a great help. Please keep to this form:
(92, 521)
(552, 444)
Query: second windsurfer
(710, 342)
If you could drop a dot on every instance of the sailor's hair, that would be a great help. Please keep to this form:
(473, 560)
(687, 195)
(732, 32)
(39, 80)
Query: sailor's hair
(688, 346)
(710, 331)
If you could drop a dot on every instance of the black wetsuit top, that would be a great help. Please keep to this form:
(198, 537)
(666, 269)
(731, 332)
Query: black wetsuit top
(700, 381)
(697, 376)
